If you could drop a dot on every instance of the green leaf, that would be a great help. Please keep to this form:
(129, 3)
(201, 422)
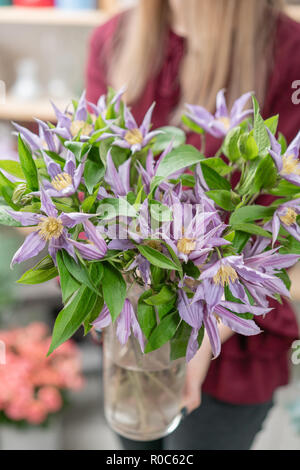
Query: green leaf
(248, 147)
(252, 229)
(292, 246)
(68, 284)
(78, 270)
(93, 173)
(110, 208)
(230, 146)
(163, 332)
(157, 258)
(228, 200)
(165, 309)
(114, 290)
(192, 125)
(170, 134)
(12, 167)
(72, 316)
(218, 165)
(260, 132)
(79, 149)
(181, 157)
(93, 315)
(251, 213)
(191, 270)
(240, 240)
(180, 341)
(146, 314)
(213, 179)
(166, 295)
(285, 188)
(6, 219)
(266, 174)
(38, 276)
(28, 166)
(272, 123)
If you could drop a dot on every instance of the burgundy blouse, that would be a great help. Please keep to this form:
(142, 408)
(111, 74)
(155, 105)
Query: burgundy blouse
(249, 369)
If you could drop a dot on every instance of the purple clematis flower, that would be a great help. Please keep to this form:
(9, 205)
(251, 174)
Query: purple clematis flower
(96, 247)
(236, 274)
(286, 215)
(207, 309)
(133, 137)
(64, 182)
(152, 165)
(50, 228)
(100, 109)
(287, 164)
(125, 322)
(222, 122)
(45, 140)
(119, 180)
(189, 235)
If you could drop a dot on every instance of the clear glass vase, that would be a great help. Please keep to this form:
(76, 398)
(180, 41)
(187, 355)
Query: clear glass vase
(142, 392)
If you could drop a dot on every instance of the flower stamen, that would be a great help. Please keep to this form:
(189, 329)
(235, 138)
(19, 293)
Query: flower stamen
(61, 181)
(290, 217)
(134, 137)
(225, 275)
(290, 165)
(225, 121)
(80, 126)
(49, 228)
(186, 245)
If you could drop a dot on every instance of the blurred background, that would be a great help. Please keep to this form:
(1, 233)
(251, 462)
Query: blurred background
(43, 51)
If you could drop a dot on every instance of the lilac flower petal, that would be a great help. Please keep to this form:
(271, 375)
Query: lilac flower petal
(122, 245)
(63, 121)
(237, 324)
(61, 243)
(47, 136)
(124, 323)
(70, 165)
(81, 112)
(74, 218)
(124, 172)
(147, 121)
(222, 110)
(103, 320)
(87, 251)
(32, 139)
(95, 237)
(31, 247)
(25, 218)
(53, 168)
(211, 326)
(136, 328)
(294, 146)
(130, 122)
(275, 228)
(193, 345)
(239, 104)
(292, 178)
(47, 205)
(113, 178)
(294, 230)
(191, 314)
(241, 117)
(242, 308)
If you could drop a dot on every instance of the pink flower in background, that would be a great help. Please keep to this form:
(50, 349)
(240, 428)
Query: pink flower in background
(31, 384)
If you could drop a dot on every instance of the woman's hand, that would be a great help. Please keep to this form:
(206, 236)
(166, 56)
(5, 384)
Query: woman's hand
(197, 370)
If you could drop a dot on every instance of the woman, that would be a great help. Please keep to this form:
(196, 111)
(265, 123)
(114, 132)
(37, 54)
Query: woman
(175, 52)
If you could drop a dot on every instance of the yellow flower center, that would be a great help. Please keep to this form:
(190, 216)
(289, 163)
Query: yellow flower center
(290, 217)
(80, 126)
(62, 181)
(134, 137)
(217, 318)
(50, 227)
(224, 275)
(290, 165)
(186, 245)
(225, 121)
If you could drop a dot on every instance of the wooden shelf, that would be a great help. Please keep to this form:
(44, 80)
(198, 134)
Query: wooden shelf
(16, 110)
(52, 16)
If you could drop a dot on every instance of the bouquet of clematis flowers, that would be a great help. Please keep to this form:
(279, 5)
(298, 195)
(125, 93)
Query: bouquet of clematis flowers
(118, 205)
